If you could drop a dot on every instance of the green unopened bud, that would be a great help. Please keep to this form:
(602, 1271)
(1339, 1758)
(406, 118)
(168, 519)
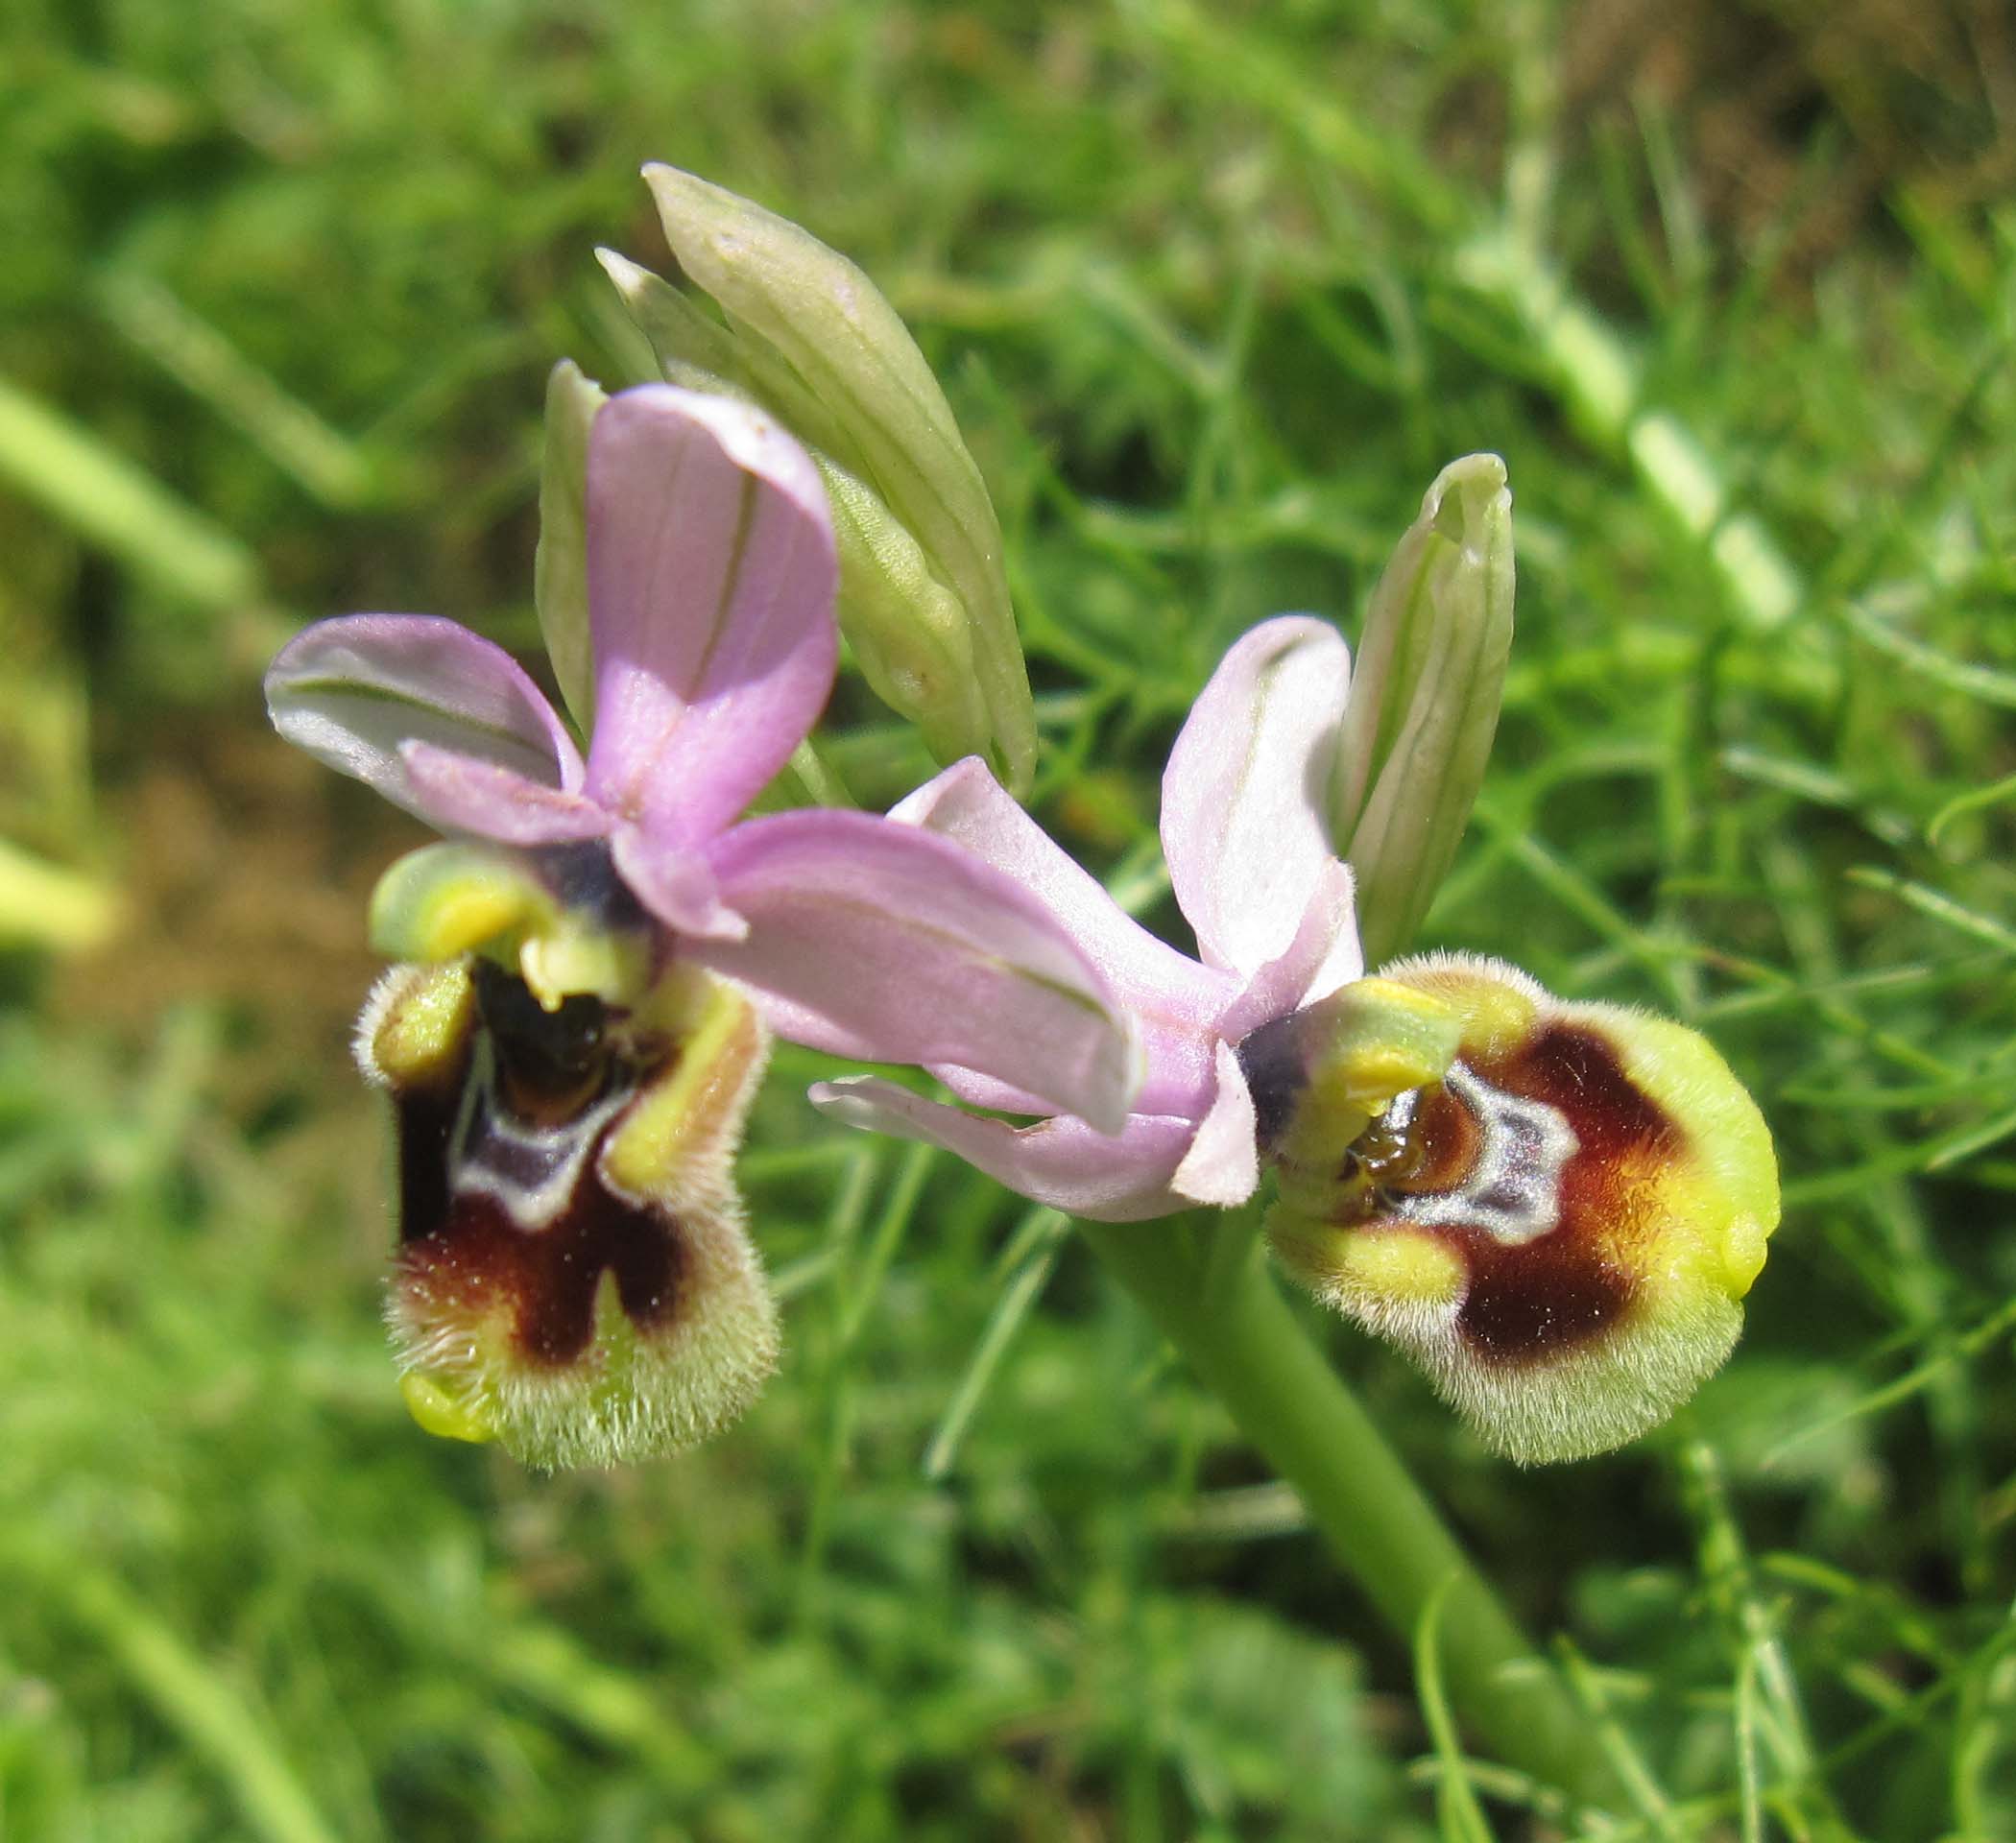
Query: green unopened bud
(1425, 697)
(559, 569)
(910, 636)
(695, 352)
(924, 597)
(1558, 1226)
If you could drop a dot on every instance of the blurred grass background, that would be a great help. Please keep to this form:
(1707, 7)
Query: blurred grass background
(1215, 289)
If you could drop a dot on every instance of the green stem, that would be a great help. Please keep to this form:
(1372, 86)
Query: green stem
(1215, 1300)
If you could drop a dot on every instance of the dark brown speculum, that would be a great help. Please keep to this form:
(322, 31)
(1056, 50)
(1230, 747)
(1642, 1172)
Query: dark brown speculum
(1530, 1298)
(503, 1205)
(1528, 1165)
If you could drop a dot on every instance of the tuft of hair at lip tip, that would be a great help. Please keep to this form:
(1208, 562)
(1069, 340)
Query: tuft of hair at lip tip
(629, 1394)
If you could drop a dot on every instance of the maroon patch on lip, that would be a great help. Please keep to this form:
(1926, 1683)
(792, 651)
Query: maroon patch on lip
(424, 1119)
(1577, 1071)
(464, 1135)
(1532, 1301)
(474, 1255)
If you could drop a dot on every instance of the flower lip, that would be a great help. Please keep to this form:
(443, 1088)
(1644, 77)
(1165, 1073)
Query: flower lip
(1558, 1229)
(573, 1278)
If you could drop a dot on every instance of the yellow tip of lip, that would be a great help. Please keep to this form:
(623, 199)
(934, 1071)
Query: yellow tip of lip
(436, 1411)
(1744, 1244)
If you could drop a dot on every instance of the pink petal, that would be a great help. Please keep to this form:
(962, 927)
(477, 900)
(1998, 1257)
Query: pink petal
(1062, 1163)
(711, 579)
(1222, 1166)
(1244, 822)
(354, 693)
(874, 939)
(983, 1090)
(1174, 1000)
(1324, 956)
(676, 884)
(460, 794)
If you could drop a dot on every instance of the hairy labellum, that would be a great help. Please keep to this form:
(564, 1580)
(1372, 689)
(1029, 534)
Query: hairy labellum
(573, 1279)
(1555, 1210)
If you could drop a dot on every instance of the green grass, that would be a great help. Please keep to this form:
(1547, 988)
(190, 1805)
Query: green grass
(1216, 290)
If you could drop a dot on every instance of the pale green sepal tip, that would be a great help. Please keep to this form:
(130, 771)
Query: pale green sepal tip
(560, 568)
(438, 1411)
(693, 351)
(819, 343)
(1430, 673)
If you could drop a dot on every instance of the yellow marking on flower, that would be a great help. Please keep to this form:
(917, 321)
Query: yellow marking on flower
(417, 1025)
(1496, 1005)
(678, 1138)
(1378, 1040)
(1409, 1270)
(568, 958)
(444, 900)
(1680, 1070)
(439, 1411)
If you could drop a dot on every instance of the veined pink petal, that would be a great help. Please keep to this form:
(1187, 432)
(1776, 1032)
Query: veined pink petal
(1176, 1075)
(676, 884)
(1244, 799)
(1173, 999)
(458, 793)
(1222, 1165)
(1062, 1163)
(712, 578)
(353, 692)
(879, 941)
(1324, 956)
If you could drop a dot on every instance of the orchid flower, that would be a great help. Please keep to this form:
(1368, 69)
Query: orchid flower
(1556, 1208)
(571, 1080)
(711, 576)
(1249, 856)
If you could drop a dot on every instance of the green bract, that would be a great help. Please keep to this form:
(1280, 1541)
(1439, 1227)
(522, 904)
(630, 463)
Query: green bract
(1425, 699)
(560, 570)
(923, 598)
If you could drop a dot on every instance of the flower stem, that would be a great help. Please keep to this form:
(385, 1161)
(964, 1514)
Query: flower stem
(1213, 1296)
